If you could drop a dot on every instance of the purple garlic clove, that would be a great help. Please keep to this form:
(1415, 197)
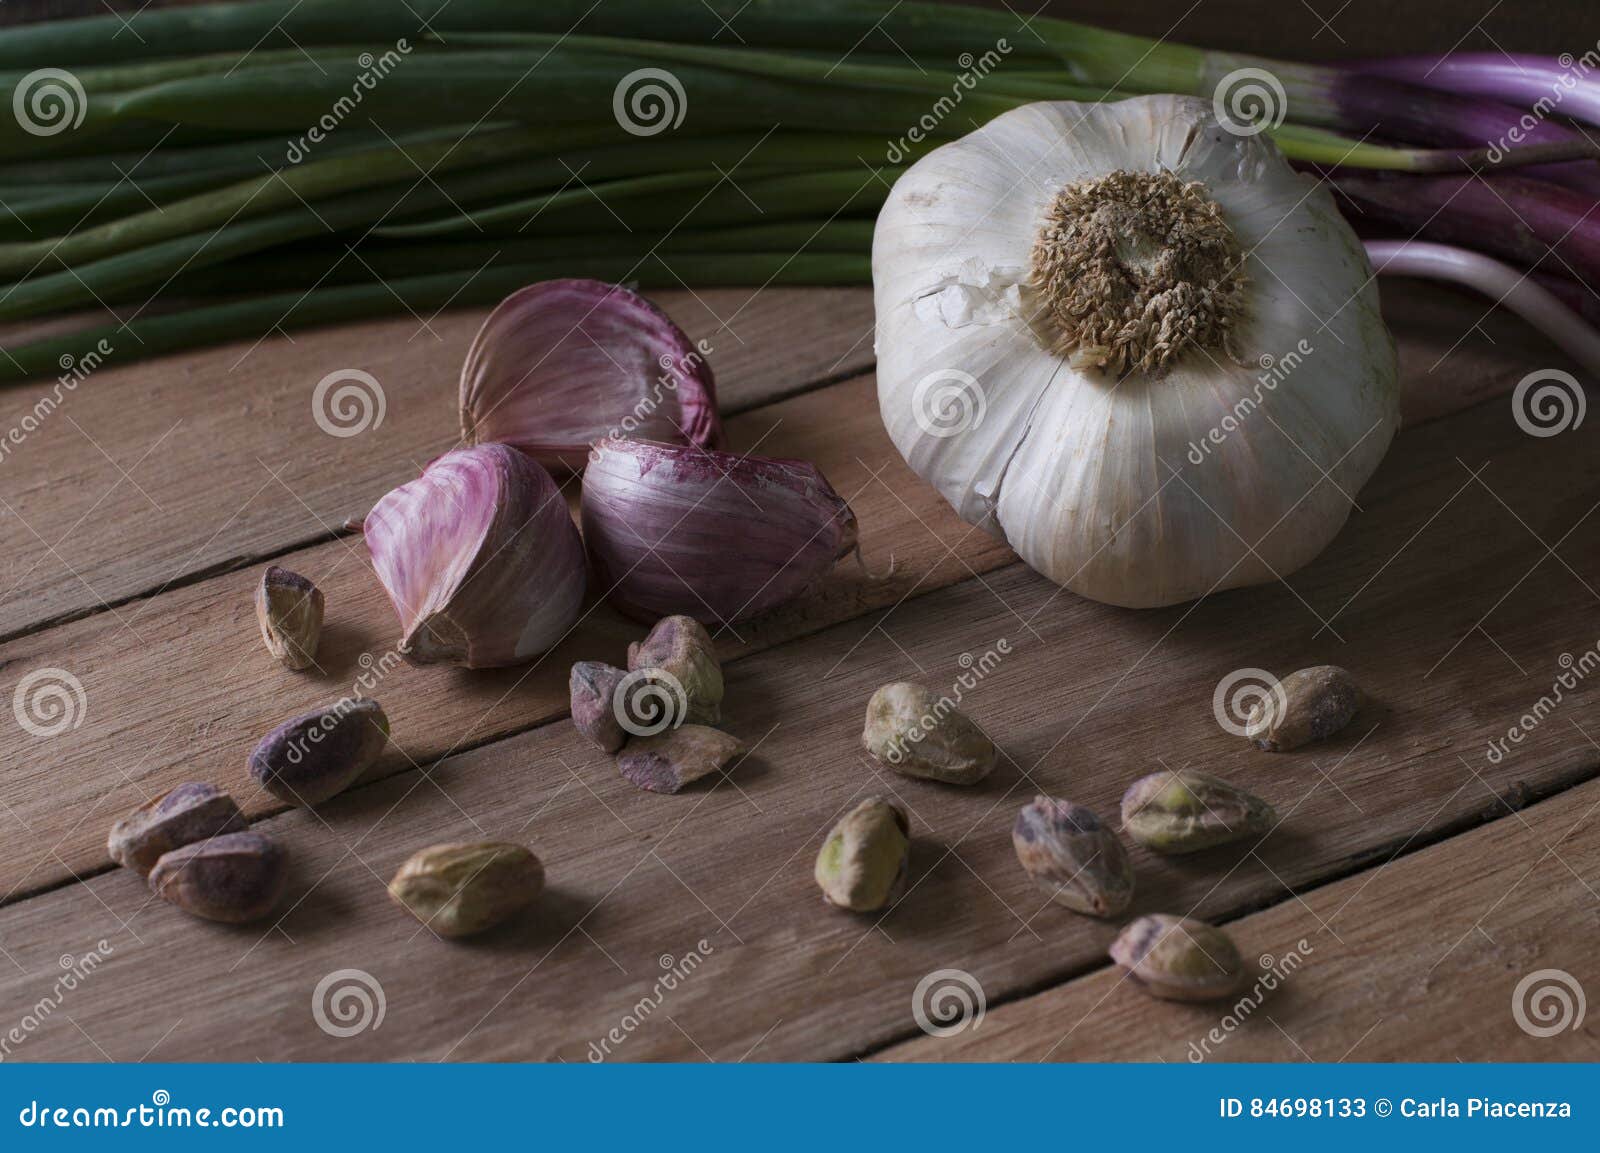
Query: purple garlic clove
(480, 559)
(711, 535)
(562, 364)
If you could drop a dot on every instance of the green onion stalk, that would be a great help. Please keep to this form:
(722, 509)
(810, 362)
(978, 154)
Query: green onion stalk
(333, 159)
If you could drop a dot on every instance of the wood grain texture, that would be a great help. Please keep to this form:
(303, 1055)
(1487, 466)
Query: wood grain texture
(103, 502)
(1445, 603)
(180, 687)
(147, 475)
(217, 690)
(1470, 569)
(1418, 960)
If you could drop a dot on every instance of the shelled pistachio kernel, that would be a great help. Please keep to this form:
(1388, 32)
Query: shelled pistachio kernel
(915, 733)
(863, 863)
(1308, 705)
(592, 686)
(1179, 958)
(1186, 811)
(667, 761)
(1066, 849)
(289, 609)
(234, 878)
(681, 647)
(461, 888)
(317, 755)
(194, 811)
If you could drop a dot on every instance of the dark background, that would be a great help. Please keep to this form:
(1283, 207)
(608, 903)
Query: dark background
(1287, 28)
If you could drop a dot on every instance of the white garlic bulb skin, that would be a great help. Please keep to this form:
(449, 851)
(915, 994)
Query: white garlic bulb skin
(1228, 466)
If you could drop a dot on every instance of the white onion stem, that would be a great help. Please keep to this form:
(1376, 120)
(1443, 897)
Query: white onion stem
(1508, 287)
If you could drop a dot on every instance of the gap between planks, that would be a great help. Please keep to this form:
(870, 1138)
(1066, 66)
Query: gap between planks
(180, 686)
(791, 978)
(1469, 923)
(836, 426)
(146, 476)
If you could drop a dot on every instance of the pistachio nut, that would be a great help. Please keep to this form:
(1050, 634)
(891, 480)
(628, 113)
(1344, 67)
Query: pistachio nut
(915, 733)
(594, 713)
(1309, 705)
(1178, 958)
(682, 648)
(463, 888)
(669, 760)
(863, 863)
(319, 754)
(1186, 811)
(289, 609)
(1066, 849)
(236, 877)
(191, 812)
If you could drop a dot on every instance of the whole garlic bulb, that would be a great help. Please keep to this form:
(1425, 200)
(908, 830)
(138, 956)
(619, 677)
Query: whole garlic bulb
(480, 558)
(1139, 347)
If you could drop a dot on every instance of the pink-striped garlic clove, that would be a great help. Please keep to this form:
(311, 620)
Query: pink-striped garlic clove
(561, 364)
(480, 558)
(711, 535)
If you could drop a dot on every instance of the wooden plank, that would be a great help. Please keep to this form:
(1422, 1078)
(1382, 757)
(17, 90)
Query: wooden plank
(219, 691)
(1088, 698)
(179, 686)
(146, 475)
(1419, 960)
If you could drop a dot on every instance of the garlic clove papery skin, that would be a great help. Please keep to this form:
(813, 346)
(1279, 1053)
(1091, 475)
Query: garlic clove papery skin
(1229, 466)
(711, 535)
(480, 559)
(560, 364)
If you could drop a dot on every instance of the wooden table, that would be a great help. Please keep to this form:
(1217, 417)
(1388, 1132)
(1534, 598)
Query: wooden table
(1415, 881)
